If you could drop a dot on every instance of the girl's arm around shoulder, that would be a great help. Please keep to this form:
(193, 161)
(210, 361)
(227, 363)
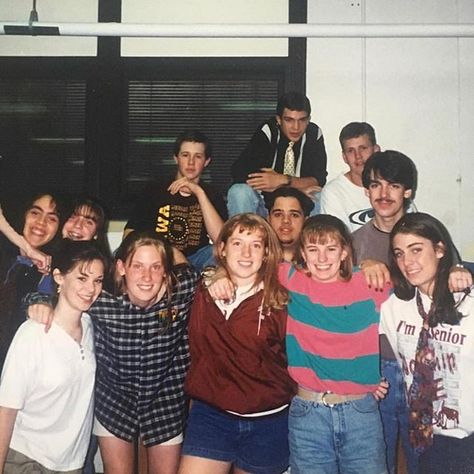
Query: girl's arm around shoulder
(38, 307)
(41, 260)
(465, 301)
(378, 295)
(107, 305)
(376, 274)
(186, 282)
(199, 308)
(199, 317)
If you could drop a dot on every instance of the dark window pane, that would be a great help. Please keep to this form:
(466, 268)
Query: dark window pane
(227, 111)
(42, 134)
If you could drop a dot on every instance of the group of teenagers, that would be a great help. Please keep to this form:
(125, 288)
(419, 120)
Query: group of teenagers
(269, 360)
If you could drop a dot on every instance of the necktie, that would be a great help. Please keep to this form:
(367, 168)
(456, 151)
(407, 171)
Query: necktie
(289, 163)
(424, 388)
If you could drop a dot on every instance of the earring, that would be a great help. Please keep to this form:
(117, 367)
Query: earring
(58, 290)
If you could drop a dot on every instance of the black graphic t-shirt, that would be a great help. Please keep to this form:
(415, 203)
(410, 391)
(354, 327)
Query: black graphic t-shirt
(177, 218)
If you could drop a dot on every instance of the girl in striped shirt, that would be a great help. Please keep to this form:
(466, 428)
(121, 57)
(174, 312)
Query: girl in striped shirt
(333, 355)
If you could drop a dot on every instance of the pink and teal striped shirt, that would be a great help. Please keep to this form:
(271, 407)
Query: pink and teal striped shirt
(332, 337)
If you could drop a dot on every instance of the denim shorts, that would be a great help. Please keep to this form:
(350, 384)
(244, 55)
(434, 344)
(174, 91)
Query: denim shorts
(257, 445)
(344, 439)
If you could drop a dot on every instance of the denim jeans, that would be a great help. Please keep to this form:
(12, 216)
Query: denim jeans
(202, 258)
(242, 198)
(346, 438)
(258, 445)
(394, 412)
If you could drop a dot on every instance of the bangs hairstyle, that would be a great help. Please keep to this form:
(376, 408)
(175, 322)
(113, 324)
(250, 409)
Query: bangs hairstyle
(72, 254)
(274, 295)
(91, 207)
(193, 136)
(444, 308)
(394, 167)
(56, 198)
(321, 229)
(132, 242)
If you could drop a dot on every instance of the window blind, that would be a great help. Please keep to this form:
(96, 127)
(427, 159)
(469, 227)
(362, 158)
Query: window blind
(227, 111)
(42, 134)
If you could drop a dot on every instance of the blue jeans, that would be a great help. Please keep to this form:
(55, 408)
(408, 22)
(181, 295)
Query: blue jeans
(346, 438)
(202, 258)
(242, 198)
(258, 445)
(394, 412)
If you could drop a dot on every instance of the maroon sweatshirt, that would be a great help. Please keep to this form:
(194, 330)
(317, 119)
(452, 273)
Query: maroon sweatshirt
(235, 365)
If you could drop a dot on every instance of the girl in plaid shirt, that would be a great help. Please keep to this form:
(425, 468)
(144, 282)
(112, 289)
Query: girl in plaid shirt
(142, 353)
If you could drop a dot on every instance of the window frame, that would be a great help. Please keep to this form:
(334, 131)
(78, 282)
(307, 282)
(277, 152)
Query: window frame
(106, 77)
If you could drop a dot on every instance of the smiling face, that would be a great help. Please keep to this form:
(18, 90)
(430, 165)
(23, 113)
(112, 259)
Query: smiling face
(387, 198)
(41, 222)
(286, 218)
(293, 123)
(244, 252)
(80, 287)
(418, 260)
(82, 225)
(144, 275)
(323, 259)
(191, 160)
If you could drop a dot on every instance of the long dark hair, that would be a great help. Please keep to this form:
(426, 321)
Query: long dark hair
(91, 206)
(444, 308)
(58, 199)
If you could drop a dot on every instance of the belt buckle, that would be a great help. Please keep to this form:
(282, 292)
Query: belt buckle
(325, 403)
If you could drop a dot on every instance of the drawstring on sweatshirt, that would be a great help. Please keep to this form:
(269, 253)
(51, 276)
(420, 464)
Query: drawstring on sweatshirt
(261, 317)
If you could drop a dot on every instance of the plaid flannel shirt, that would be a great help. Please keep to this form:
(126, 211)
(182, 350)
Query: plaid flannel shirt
(142, 363)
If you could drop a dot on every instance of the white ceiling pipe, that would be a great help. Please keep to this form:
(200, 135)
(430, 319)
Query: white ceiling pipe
(248, 30)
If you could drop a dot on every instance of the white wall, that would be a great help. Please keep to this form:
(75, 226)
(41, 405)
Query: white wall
(148, 11)
(417, 93)
(81, 11)
(207, 11)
